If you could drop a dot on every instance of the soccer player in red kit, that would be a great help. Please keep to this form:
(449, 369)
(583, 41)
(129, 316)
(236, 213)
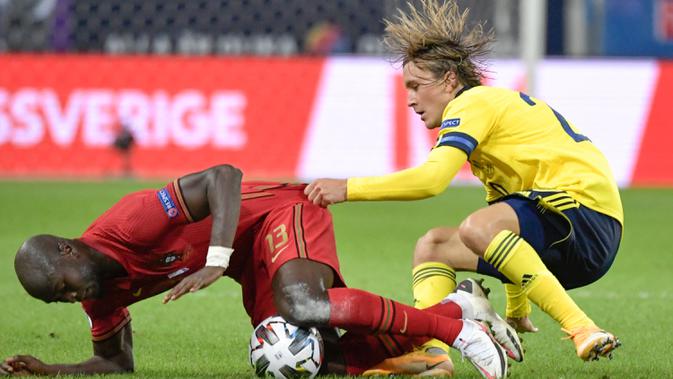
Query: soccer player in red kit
(266, 236)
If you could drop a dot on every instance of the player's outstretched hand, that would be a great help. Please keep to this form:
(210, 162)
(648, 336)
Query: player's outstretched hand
(194, 282)
(4, 369)
(325, 192)
(23, 365)
(522, 325)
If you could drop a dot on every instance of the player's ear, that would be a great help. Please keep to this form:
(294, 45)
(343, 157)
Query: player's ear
(66, 249)
(450, 79)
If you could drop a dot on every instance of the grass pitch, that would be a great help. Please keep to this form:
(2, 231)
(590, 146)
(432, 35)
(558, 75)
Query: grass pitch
(205, 335)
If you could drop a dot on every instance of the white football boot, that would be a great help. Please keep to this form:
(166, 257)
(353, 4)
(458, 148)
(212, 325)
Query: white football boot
(473, 300)
(477, 345)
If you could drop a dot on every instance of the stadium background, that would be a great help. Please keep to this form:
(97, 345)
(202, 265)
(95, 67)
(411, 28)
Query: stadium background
(295, 89)
(104, 97)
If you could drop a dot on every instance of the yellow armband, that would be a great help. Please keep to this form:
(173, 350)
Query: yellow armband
(420, 182)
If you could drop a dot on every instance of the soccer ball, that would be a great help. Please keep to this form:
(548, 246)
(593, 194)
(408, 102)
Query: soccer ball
(282, 350)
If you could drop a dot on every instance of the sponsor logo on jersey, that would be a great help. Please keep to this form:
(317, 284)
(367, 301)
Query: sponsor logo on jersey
(451, 123)
(169, 258)
(168, 204)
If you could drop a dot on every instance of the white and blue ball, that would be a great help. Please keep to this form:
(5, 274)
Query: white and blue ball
(281, 350)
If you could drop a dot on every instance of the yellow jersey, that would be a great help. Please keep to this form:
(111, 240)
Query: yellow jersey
(516, 143)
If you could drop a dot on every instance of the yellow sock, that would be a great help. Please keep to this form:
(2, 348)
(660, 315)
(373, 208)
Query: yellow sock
(518, 261)
(432, 282)
(517, 301)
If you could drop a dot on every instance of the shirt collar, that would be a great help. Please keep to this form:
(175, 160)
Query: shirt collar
(465, 88)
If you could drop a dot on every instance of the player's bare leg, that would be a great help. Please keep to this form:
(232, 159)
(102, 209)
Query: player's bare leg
(300, 292)
(443, 245)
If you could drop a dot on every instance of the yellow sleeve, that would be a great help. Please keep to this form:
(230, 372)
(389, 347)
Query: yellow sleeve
(420, 182)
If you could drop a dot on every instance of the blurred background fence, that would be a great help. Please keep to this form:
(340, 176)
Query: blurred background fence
(291, 27)
(299, 89)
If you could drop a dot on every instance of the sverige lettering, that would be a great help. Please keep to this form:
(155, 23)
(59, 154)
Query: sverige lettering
(92, 117)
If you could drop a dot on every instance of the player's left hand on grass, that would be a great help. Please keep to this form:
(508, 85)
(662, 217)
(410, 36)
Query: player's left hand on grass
(325, 192)
(4, 369)
(22, 365)
(194, 282)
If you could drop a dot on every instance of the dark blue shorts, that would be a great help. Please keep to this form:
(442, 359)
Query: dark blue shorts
(578, 248)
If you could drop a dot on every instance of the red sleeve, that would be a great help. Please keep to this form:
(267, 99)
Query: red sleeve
(105, 322)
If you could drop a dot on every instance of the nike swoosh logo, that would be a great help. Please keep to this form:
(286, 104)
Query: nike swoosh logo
(138, 292)
(404, 327)
(273, 258)
(430, 367)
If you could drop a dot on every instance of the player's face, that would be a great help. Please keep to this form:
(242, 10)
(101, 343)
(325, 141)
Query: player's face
(73, 287)
(426, 94)
(74, 283)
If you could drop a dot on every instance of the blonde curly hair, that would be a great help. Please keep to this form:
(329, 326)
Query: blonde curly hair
(435, 38)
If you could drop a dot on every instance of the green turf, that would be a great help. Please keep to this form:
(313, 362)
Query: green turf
(206, 334)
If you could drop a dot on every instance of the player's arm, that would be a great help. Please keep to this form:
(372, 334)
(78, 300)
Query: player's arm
(111, 356)
(426, 180)
(213, 192)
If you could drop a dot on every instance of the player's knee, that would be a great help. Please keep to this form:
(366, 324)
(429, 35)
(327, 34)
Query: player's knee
(299, 308)
(473, 235)
(428, 247)
(306, 313)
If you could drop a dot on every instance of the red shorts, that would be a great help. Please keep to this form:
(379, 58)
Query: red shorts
(298, 231)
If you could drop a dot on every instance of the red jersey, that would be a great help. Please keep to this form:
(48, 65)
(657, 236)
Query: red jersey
(151, 234)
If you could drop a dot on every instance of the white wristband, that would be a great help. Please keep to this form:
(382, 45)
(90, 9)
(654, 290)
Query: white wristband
(218, 256)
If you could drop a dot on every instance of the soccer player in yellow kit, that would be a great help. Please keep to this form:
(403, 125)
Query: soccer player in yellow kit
(554, 219)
